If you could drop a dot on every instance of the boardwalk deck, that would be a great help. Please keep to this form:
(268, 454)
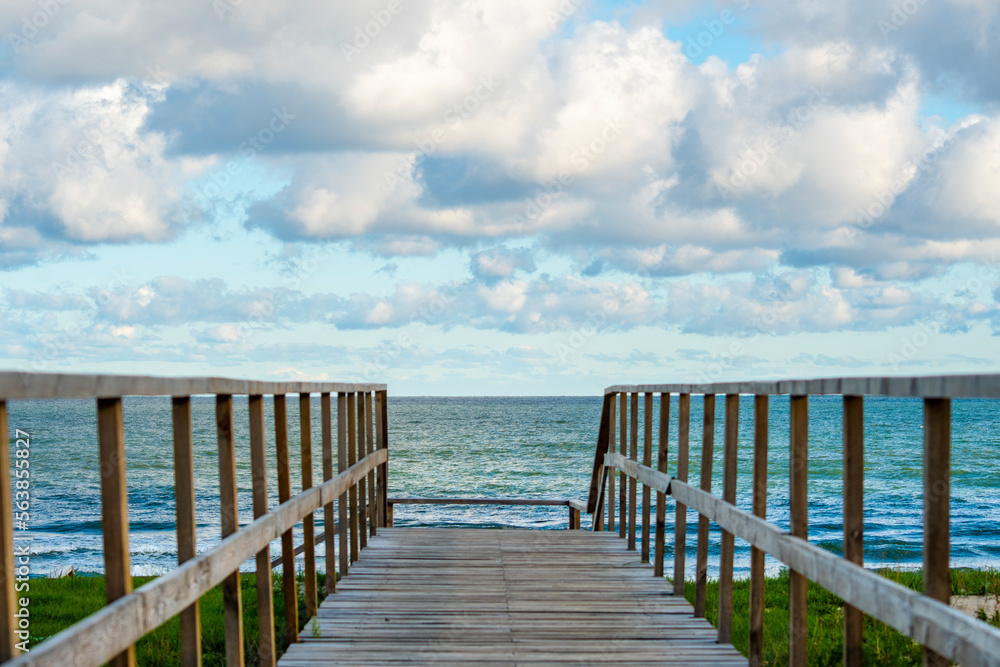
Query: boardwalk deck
(504, 597)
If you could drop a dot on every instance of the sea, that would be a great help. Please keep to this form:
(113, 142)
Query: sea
(527, 447)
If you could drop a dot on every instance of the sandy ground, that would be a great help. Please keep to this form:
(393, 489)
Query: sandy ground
(970, 604)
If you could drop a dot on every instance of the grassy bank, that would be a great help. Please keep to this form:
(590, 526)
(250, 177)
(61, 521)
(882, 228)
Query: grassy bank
(59, 603)
(883, 645)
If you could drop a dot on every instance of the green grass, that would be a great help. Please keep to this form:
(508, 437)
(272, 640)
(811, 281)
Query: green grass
(882, 645)
(57, 604)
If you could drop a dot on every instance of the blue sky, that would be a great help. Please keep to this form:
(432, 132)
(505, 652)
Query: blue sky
(533, 197)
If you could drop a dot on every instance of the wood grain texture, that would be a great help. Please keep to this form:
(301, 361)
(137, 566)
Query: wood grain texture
(96, 639)
(308, 523)
(232, 599)
(622, 479)
(662, 463)
(343, 539)
(604, 429)
(258, 470)
(935, 386)
(854, 518)
(363, 423)
(114, 509)
(8, 601)
(680, 514)
(352, 457)
(326, 426)
(955, 635)
(288, 583)
(707, 452)
(633, 454)
(611, 477)
(368, 449)
(381, 442)
(761, 413)
(505, 597)
(190, 622)
(937, 494)
(798, 584)
(729, 465)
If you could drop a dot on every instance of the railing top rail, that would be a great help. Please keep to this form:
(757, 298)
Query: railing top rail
(15, 385)
(935, 386)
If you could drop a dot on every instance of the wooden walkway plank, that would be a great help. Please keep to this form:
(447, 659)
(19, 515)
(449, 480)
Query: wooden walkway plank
(505, 597)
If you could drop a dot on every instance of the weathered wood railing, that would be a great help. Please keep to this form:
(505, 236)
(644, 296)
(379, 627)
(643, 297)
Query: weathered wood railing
(575, 506)
(359, 490)
(926, 618)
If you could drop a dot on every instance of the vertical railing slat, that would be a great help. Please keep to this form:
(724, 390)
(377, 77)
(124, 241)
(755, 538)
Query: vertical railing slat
(352, 453)
(8, 568)
(761, 405)
(854, 517)
(232, 598)
(326, 426)
(370, 449)
(380, 478)
(660, 546)
(680, 512)
(937, 493)
(633, 454)
(309, 522)
(798, 585)
(363, 423)
(622, 477)
(343, 539)
(114, 509)
(729, 464)
(647, 460)
(707, 452)
(258, 468)
(288, 584)
(190, 623)
(612, 439)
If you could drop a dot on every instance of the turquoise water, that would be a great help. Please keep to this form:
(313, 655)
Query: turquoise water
(506, 447)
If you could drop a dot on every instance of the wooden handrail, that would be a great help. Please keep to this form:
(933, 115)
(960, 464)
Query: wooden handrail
(934, 386)
(925, 617)
(99, 637)
(16, 386)
(935, 624)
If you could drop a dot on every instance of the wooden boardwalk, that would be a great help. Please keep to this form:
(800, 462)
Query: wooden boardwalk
(504, 597)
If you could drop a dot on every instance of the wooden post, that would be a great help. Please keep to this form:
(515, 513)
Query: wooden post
(343, 540)
(232, 598)
(8, 568)
(574, 518)
(362, 487)
(680, 516)
(326, 425)
(288, 584)
(190, 623)
(798, 585)
(937, 493)
(854, 517)
(707, 447)
(622, 478)
(729, 463)
(258, 468)
(380, 443)
(610, 474)
(308, 523)
(352, 458)
(114, 509)
(370, 449)
(661, 498)
(388, 515)
(761, 404)
(647, 460)
(634, 455)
